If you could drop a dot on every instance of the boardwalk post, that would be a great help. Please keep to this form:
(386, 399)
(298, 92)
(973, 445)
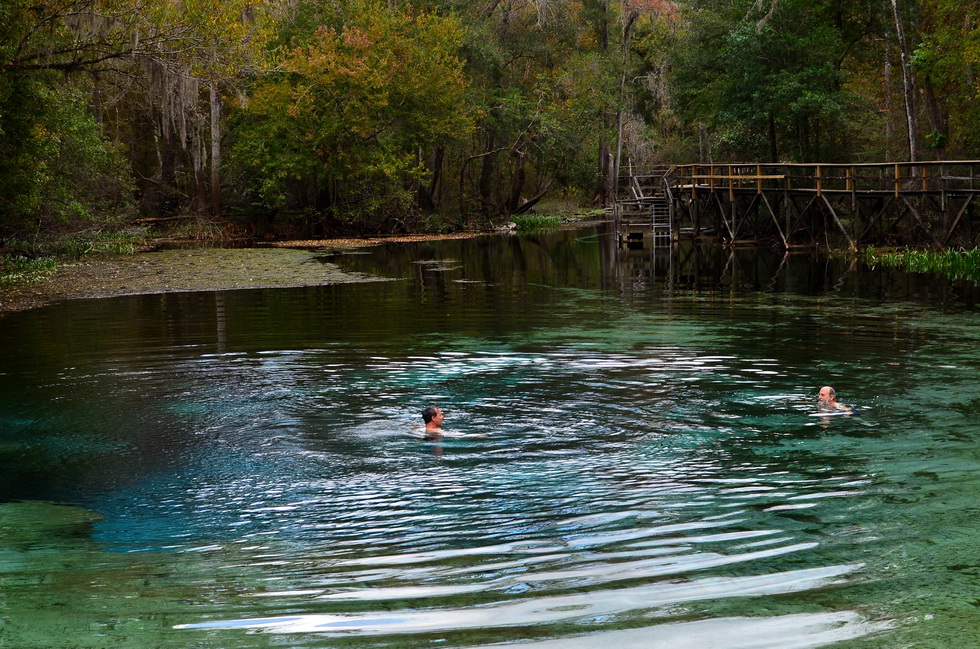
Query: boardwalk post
(786, 188)
(943, 173)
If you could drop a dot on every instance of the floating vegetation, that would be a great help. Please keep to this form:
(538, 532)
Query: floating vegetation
(526, 222)
(24, 269)
(106, 243)
(23, 262)
(953, 264)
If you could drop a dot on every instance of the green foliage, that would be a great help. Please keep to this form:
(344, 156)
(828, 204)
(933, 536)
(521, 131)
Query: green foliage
(949, 55)
(99, 242)
(57, 171)
(953, 264)
(771, 84)
(375, 111)
(347, 112)
(527, 222)
(16, 270)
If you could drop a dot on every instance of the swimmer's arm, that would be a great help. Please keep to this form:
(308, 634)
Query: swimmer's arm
(444, 434)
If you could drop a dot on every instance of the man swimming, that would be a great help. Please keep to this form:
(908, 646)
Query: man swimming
(433, 417)
(827, 401)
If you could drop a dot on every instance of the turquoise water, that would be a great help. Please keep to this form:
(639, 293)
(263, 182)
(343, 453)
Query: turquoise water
(243, 469)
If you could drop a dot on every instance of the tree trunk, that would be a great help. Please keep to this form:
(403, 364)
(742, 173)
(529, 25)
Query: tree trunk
(605, 172)
(216, 202)
(773, 149)
(427, 195)
(161, 199)
(628, 22)
(487, 175)
(889, 104)
(938, 124)
(605, 180)
(201, 196)
(908, 84)
(517, 182)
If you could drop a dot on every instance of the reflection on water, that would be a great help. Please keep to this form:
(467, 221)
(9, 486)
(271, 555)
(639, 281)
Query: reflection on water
(242, 469)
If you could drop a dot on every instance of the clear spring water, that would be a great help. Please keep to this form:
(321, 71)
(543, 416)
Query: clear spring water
(242, 469)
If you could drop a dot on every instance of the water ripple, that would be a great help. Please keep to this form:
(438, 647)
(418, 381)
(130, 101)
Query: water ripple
(541, 610)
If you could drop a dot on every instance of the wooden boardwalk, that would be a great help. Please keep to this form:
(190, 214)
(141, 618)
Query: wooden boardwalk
(807, 205)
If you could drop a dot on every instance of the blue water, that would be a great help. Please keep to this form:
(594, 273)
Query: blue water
(244, 469)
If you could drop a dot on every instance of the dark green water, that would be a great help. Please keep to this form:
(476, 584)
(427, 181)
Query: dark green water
(241, 469)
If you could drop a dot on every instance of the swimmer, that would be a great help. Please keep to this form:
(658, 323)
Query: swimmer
(433, 417)
(828, 401)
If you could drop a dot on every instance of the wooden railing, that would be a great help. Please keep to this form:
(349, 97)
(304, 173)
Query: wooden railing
(891, 178)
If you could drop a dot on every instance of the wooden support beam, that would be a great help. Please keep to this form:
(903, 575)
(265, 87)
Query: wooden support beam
(956, 221)
(748, 210)
(918, 219)
(877, 218)
(775, 222)
(833, 213)
(799, 218)
(723, 217)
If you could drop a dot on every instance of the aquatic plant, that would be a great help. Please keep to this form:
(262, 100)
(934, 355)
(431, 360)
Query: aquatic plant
(109, 243)
(526, 222)
(24, 262)
(23, 269)
(953, 264)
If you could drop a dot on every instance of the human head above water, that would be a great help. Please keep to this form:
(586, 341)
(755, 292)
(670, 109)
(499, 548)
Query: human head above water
(827, 394)
(430, 413)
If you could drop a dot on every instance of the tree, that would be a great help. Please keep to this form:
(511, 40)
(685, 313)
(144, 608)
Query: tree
(632, 11)
(772, 82)
(948, 60)
(348, 111)
(56, 171)
(75, 52)
(908, 82)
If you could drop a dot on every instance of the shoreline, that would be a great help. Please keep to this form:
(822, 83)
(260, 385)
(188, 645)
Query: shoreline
(280, 264)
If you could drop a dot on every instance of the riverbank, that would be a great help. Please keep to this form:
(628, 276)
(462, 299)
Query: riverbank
(283, 264)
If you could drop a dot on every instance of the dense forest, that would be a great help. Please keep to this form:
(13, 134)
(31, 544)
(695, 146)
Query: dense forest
(388, 116)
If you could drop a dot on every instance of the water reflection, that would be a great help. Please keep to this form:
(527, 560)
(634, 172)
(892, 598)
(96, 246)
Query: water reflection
(594, 258)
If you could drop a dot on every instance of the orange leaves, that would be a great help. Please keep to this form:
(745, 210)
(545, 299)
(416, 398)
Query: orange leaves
(357, 38)
(663, 8)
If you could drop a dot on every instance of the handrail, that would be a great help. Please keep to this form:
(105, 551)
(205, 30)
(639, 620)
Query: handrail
(890, 177)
